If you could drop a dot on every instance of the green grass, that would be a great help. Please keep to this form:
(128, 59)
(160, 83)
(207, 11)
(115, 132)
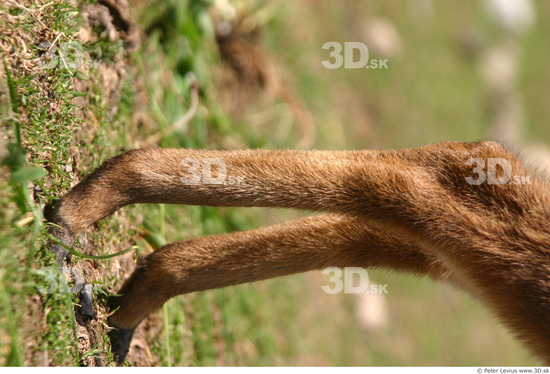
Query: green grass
(430, 93)
(34, 127)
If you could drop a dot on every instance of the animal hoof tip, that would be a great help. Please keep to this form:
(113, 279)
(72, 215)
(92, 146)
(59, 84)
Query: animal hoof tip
(120, 343)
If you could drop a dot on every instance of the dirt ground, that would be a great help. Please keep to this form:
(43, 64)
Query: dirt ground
(109, 18)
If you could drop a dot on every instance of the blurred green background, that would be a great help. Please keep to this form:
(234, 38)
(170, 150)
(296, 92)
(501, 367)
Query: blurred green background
(438, 86)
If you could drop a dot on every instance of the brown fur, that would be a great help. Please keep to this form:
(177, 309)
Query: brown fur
(409, 210)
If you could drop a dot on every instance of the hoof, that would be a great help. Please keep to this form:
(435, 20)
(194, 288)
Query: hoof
(120, 338)
(120, 343)
(86, 298)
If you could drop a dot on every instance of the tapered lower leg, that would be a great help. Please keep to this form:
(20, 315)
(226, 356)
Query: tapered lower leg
(288, 248)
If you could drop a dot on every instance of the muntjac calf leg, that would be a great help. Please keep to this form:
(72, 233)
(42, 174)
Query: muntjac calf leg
(293, 247)
(489, 238)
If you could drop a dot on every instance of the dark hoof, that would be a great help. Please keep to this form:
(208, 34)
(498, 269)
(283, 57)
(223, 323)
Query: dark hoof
(120, 343)
(86, 307)
(120, 338)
